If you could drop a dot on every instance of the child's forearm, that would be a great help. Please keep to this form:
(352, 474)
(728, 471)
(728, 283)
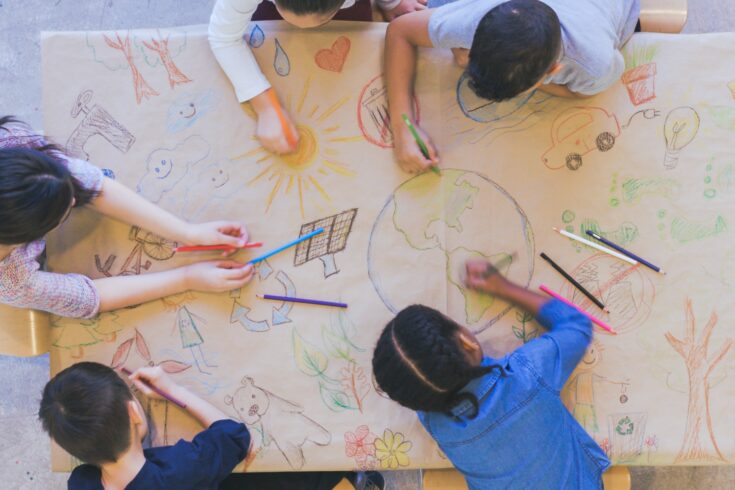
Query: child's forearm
(205, 413)
(522, 297)
(123, 291)
(119, 202)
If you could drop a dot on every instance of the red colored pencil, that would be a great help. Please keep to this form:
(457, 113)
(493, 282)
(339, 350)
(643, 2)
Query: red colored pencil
(197, 248)
(168, 397)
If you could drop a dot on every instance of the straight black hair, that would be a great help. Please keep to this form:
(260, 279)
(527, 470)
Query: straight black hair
(515, 45)
(36, 187)
(303, 7)
(84, 409)
(419, 363)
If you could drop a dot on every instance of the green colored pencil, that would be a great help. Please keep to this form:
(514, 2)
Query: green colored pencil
(420, 142)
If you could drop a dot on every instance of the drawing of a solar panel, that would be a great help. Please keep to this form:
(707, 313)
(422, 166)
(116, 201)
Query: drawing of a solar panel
(324, 245)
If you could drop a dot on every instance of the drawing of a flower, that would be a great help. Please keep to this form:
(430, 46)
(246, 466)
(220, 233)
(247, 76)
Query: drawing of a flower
(361, 446)
(606, 446)
(391, 450)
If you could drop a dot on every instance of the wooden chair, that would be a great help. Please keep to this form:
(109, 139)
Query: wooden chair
(23, 332)
(616, 478)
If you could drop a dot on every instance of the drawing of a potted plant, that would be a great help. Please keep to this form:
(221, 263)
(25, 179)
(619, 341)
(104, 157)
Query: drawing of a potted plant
(640, 72)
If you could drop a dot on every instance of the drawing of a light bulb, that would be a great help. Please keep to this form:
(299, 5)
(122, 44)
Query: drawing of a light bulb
(680, 128)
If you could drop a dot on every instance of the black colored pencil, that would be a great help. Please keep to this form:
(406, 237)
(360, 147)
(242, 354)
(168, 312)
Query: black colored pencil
(573, 281)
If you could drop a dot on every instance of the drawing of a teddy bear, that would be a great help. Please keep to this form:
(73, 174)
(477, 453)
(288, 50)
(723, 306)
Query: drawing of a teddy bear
(280, 421)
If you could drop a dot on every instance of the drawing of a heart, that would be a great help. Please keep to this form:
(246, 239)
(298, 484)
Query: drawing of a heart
(333, 59)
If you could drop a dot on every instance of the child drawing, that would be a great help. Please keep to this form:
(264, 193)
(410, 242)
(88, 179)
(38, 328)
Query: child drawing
(278, 420)
(191, 338)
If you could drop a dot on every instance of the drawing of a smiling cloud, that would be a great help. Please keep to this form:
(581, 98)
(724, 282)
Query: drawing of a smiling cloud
(188, 109)
(166, 167)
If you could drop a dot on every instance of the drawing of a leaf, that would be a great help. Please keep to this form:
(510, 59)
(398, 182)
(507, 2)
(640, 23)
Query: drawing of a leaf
(517, 332)
(309, 359)
(173, 367)
(336, 401)
(121, 354)
(141, 346)
(337, 345)
(343, 327)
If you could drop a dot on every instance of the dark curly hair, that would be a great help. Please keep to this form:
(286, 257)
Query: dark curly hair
(419, 363)
(84, 409)
(515, 45)
(36, 187)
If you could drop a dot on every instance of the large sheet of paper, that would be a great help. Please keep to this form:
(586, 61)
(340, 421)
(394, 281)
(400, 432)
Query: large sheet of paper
(649, 165)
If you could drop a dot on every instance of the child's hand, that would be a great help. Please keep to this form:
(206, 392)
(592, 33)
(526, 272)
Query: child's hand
(482, 276)
(153, 376)
(218, 276)
(408, 152)
(218, 232)
(405, 7)
(270, 131)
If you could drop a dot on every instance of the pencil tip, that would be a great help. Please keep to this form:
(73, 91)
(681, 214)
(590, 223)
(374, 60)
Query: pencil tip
(661, 271)
(606, 309)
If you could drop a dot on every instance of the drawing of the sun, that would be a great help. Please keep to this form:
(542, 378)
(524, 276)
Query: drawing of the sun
(303, 174)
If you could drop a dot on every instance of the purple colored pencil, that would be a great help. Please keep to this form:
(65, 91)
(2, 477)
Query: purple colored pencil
(168, 397)
(624, 252)
(303, 300)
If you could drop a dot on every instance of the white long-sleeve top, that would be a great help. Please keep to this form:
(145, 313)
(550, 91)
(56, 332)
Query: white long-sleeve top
(227, 26)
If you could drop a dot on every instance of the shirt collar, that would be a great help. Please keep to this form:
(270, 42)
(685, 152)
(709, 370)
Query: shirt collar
(482, 385)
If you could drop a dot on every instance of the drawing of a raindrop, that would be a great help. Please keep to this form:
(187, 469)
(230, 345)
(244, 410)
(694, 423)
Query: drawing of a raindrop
(257, 37)
(281, 62)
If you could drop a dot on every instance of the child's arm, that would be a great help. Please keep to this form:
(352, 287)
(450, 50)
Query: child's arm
(213, 276)
(200, 409)
(555, 354)
(119, 202)
(230, 21)
(403, 36)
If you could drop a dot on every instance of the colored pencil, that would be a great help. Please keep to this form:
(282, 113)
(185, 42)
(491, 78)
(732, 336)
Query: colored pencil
(596, 246)
(197, 248)
(290, 137)
(420, 142)
(288, 245)
(592, 318)
(624, 251)
(168, 397)
(574, 282)
(302, 300)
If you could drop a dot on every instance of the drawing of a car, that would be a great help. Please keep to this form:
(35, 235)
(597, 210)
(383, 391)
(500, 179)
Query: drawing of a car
(576, 132)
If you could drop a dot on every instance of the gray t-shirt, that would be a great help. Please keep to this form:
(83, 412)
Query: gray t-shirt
(592, 33)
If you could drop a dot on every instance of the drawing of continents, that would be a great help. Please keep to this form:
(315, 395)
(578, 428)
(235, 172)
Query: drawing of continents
(430, 226)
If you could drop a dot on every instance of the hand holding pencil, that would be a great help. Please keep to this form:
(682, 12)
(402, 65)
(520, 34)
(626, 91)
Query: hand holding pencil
(409, 152)
(232, 233)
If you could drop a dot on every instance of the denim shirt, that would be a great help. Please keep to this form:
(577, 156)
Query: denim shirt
(523, 436)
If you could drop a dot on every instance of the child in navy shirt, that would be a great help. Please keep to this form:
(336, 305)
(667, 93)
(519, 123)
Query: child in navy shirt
(92, 414)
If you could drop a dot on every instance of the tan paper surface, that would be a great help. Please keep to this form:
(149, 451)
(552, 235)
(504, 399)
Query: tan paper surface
(650, 164)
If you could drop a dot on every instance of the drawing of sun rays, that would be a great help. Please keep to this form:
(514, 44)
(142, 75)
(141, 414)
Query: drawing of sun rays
(308, 173)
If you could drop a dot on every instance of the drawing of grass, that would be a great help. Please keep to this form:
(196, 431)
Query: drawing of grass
(639, 54)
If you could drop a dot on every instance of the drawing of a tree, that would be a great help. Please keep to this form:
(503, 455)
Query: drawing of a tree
(699, 440)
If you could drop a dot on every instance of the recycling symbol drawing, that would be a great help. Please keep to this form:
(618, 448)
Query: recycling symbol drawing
(279, 315)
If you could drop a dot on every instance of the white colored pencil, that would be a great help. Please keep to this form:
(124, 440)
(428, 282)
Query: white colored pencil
(596, 246)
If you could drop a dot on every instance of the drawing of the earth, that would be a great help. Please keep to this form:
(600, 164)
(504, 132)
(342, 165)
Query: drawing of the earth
(432, 224)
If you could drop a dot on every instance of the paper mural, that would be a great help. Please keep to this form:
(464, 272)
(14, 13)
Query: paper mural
(649, 165)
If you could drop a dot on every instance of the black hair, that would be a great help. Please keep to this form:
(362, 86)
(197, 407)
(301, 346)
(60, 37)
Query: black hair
(303, 7)
(85, 410)
(419, 363)
(36, 188)
(515, 45)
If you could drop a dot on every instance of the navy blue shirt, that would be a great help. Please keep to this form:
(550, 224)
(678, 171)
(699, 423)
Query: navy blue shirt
(201, 464)
(523, 436)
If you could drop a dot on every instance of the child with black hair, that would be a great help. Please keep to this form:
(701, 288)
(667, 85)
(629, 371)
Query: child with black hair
(500, 421)
(230, 21)
(39, 188)
(90, 412)
(567, 48)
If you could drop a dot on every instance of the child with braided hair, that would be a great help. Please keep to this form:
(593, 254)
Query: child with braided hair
(500, 421)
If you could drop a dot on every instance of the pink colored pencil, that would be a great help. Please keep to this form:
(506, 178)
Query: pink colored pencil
(197, 248)
(168, 397)
(592, 318)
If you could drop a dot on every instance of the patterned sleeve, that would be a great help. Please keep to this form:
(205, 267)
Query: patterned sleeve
(23, 285)
(86, 173)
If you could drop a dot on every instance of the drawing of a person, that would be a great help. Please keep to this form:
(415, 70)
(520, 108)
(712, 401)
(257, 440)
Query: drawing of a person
(191, 338)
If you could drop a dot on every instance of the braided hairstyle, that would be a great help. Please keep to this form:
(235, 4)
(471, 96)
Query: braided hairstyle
(36, 187)
(419, 363)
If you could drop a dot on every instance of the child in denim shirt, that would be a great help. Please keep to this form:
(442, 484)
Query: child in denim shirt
(500, 421)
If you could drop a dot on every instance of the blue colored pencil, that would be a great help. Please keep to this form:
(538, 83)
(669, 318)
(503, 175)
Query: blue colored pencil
(303, 300)
(624, 252)
(288, 245)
